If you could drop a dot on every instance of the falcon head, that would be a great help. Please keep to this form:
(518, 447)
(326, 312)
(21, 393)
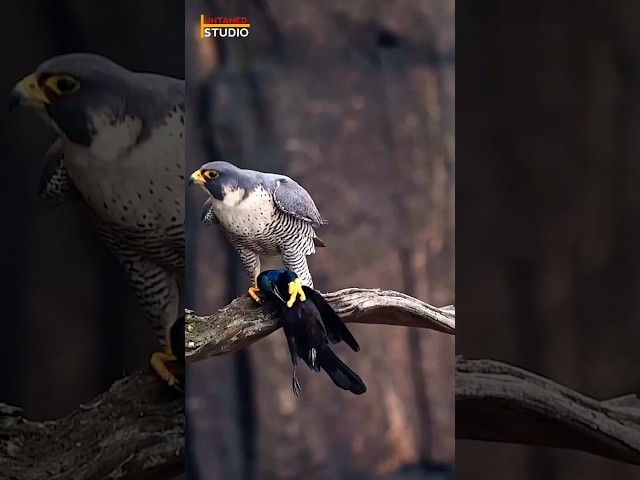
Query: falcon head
(86, 98)
(223, 181)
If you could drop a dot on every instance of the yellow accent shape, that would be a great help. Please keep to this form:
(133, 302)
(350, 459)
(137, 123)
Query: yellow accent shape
(226, 25)
(29, 89)
(295, 290)
(197, 177)
(158, 363)
(253, 293)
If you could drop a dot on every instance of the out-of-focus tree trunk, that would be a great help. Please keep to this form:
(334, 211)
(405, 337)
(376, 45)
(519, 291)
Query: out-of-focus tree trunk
(549, 210)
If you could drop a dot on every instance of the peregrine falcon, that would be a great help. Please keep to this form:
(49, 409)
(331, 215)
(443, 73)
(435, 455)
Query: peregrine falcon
(120, 150)
(261, 214)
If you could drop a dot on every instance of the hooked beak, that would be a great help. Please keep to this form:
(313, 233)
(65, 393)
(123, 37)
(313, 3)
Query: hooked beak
(196, 177)
(27, 93)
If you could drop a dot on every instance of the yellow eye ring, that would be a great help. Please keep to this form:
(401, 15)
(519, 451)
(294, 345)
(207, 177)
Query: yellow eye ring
(211, 174)
(62, 84)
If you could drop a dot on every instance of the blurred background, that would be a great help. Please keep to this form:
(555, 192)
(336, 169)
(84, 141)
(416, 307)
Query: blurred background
(548, 211)
(70, 326)
(354, 100)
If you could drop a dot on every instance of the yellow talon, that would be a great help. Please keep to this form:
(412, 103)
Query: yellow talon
(295, 290)
(158, 363)
(253, 294)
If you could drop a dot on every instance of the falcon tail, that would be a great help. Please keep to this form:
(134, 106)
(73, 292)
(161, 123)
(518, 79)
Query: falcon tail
(340, 374)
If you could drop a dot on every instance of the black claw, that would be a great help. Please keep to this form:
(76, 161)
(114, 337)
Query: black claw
(296, 387)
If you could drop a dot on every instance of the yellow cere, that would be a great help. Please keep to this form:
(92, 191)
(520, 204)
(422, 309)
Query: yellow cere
(197, 177)
(295, 290)
(31, 91)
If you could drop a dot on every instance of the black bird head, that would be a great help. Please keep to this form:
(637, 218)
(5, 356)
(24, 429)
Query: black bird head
(282, 284)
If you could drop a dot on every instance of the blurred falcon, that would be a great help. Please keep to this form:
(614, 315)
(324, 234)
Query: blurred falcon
(120, 150)
(261, 214)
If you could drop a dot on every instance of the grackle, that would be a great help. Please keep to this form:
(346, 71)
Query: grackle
(310, 324)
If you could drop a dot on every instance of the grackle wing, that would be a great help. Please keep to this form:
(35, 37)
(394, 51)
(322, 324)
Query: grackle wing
(333, 324)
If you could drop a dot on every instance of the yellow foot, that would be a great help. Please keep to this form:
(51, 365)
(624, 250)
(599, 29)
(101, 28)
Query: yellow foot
(158, 363)
(253, 294)
(295, 290)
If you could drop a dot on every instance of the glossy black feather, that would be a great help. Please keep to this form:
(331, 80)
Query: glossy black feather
(309, 326)
(335, 327)
(341, 375)
(302, 322)
(305, 330)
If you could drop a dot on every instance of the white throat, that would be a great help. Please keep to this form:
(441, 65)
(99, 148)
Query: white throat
(232, 196)
(111, 139)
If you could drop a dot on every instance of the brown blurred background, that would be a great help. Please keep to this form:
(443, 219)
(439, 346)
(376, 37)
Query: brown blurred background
(70, 325)
(355, 100)
(548, 211)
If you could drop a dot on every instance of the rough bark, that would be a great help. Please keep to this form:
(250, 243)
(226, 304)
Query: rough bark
(503, 403)
(243, 322)
(136, 429)
(494, 401)
(133, 431)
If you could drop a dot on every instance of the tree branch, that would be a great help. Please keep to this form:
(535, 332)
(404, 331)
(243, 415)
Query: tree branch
(494, 401)
(244, 322)
(502, 403)
(134, 431)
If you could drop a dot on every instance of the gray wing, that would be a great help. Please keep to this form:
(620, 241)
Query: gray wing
(56, 187)
(291, 198)
(208, 217)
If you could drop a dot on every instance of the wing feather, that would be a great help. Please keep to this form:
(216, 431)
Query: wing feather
(333, 324)
(56, 187)
(294, 200)
(208, 216)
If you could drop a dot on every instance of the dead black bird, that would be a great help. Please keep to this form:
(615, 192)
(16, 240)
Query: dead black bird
(309, 323)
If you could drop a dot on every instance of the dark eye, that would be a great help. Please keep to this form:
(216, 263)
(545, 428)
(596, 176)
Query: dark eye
(66, 84)
(211, 174)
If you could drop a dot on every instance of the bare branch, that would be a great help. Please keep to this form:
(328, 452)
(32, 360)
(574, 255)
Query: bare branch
(502, 403)
(135, 430)
(243, 322)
